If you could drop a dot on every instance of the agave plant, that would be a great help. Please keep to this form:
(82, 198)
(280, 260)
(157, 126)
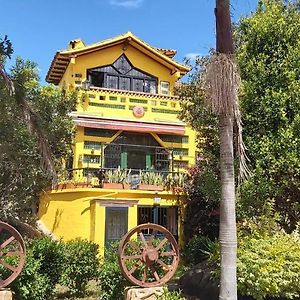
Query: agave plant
(117, 175)
(152, 178)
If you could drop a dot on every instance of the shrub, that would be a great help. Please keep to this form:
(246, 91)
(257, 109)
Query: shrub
(198, 249)
(269, 266)
(41, 272)
(112, 282)
(167, 295)
(268, 263)
(81, 265)
(50, 255)
(32, 284)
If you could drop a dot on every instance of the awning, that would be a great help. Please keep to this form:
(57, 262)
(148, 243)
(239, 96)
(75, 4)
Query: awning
(130, 126)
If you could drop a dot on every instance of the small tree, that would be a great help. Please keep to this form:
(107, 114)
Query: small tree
(36, 135)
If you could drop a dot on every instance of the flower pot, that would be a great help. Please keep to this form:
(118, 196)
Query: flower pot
(112, 185)
(63, 186)
(150, 187)
(126, 186)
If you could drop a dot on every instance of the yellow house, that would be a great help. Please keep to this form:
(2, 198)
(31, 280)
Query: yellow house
(128, 132)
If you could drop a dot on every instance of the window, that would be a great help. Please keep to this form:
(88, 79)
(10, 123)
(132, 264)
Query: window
(99, 132)
(122, 75)
(165, 88)
(93, 159)
(164, 216)
(92, 145)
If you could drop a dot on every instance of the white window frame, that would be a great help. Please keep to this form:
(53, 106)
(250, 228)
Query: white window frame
(165, 88)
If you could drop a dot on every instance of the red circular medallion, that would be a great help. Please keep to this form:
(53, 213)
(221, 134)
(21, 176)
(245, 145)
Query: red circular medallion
(138, 111)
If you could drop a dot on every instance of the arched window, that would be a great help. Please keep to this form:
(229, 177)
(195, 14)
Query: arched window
(121, 75)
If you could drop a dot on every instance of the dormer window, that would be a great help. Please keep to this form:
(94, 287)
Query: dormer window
(121, 75)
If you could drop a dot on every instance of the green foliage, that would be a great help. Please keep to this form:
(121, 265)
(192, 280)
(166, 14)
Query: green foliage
(6, 49)
(268, 51)
(81, 265)
(149, 177)
(176, 182)
(269, 265)
(117, 176)
(21, 176)
(198, 249)
(268, 262)
(112, 282)
(32, 284)
(42, 270)
(50, 254)
(48, 263)
(167, 295)
(203, 186)
(202, 211)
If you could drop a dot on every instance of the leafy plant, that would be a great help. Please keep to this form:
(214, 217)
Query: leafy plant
(269, 266)
(149, 177)
(42, 271)
(199, 248)
(117, 175)
(112, 282)
(168, 295)
(268, 53)
(268, 263)
(175, 182)
(81, 265)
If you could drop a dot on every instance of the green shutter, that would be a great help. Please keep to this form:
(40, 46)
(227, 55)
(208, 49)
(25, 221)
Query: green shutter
(124, 159)
(148, 161)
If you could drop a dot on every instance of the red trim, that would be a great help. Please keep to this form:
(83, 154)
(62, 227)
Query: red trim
(130, 126)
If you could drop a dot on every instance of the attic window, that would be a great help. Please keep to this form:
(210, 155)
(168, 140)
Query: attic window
(121, 75)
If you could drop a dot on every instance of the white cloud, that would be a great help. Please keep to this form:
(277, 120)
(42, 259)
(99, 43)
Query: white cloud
(192, 56)
(126, 3)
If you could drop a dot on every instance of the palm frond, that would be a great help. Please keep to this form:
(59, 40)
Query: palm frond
(221, 82)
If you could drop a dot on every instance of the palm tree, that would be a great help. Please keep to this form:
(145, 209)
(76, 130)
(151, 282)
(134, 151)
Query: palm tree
(221, 84)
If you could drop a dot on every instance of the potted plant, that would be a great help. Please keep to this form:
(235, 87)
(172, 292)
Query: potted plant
(151, 181)
(175, 182)
(115, 179)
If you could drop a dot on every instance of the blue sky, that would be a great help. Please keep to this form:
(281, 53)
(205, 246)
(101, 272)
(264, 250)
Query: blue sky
(38, 28)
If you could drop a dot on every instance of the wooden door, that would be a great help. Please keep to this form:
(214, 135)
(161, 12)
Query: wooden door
(116, 223)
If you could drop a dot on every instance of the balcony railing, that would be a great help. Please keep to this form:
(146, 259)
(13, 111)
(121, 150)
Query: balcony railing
(131, 179)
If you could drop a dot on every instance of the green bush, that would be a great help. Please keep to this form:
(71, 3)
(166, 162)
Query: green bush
(198, 249)
(167, 295)
(269, 265)
(268, 262)
(41, 272)
(50, 254)
(81, 264)
(112, 282)
(32, 284)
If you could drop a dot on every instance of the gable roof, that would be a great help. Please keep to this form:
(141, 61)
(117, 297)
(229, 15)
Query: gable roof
(76, 48)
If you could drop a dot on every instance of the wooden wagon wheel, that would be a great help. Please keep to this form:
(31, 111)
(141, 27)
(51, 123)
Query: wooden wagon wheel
(12, 254)
(148, 255)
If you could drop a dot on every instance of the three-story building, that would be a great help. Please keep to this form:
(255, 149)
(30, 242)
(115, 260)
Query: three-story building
(130, 148)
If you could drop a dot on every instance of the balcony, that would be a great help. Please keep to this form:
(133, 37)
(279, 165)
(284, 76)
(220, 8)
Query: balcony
(123, 179)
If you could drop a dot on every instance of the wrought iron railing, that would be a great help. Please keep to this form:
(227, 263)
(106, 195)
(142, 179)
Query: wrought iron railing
(129, 178)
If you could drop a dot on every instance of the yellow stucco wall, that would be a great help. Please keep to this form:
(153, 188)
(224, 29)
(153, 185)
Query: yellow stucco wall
(80, 212)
